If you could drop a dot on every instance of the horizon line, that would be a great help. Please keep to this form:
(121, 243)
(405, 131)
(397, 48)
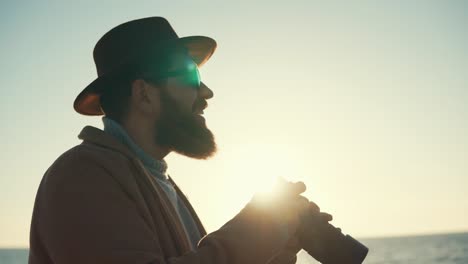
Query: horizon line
(452, 232)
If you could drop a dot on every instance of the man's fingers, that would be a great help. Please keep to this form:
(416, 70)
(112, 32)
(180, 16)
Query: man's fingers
(326, 217)
(291, 189)
(314, 207)
(302, 204)
(296, 206)
(298, 188)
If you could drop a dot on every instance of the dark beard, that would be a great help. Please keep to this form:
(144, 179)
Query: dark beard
(181, 132)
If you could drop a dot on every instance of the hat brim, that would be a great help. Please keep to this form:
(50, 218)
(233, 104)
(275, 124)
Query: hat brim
(200, 49)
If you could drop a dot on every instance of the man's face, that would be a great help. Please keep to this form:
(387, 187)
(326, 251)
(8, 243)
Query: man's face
(180, 127)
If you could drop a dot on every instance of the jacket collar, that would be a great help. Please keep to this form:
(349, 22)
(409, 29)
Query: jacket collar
(101, 138)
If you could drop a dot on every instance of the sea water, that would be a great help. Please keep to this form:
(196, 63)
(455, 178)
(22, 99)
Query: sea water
(432, 249)
(428, 249)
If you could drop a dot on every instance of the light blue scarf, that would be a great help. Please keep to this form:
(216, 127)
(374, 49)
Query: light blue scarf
(157, 167)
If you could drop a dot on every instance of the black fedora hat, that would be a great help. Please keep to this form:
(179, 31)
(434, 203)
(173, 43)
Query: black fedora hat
(129, 43)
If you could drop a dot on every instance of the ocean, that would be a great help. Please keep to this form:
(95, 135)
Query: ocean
(428, 249)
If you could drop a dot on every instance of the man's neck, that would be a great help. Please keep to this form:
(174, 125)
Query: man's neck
(144, 136)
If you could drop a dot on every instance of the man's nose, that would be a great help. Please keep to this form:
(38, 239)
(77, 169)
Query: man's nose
(205, 92)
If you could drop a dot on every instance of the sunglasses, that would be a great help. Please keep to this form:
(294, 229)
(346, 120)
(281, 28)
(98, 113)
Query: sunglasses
(188, 75)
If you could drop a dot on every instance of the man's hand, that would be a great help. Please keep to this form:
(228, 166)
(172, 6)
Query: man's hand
(284, 205)
(266, 229)
(287, 255)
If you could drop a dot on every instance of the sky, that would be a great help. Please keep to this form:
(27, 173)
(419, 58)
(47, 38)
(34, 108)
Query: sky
(364, 101)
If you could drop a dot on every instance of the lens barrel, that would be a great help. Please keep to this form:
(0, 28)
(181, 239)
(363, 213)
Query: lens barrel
(327, 244)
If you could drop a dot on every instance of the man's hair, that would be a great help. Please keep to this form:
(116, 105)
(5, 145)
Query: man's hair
(115, 100)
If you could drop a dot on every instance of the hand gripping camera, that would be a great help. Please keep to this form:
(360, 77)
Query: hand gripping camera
(327, 244)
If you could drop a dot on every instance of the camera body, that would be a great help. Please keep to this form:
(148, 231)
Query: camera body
(327, 244)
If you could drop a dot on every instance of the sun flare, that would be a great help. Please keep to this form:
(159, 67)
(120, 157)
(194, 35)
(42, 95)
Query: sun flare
(261, 168)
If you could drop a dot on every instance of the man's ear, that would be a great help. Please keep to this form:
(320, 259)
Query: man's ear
(140, 91)
(144, 96)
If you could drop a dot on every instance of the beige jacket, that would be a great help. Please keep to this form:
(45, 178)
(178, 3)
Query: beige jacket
(98, 204)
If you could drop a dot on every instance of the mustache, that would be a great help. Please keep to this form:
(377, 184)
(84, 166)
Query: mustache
(199, 105)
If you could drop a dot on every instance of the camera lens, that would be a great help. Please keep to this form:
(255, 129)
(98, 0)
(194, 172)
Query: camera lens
(327, 244)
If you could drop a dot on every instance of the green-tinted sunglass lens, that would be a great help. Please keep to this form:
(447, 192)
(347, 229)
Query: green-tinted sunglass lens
(192, 77)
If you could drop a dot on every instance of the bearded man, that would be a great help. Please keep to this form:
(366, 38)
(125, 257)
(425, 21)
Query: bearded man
(109, 199)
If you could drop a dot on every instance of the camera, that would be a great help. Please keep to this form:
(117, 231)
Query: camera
(326, 243)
